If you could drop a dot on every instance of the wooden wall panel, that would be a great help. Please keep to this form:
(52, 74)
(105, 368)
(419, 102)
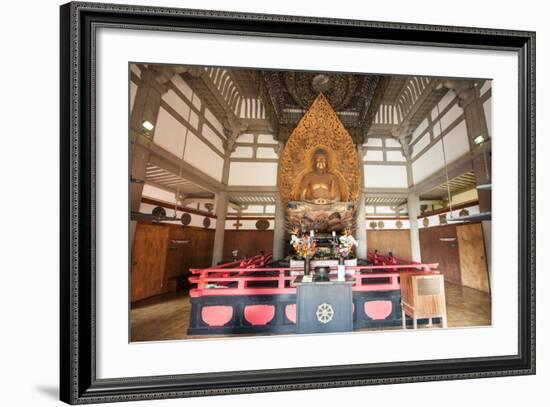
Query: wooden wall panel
(247, 242)
(148, 261)
(433, 250)
(396, 241)
(163, 253)
(473, 263)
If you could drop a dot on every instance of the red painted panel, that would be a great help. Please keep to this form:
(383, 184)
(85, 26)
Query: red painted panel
(290, 312)
(378, 309)
(216, 315)
(259, 314)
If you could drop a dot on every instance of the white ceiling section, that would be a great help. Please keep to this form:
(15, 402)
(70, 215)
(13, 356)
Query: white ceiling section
(253, 209)
(214, 122)
(212, 137)
(177, 103)
(428, 163)
(420, 129)
(267, 153)
(450, 116)
(374, 142)
(385, 176)
(179, 139)
(253, 174)
(150, 191)
(182, 86)
(170, 133)
(245, 138)
(242, 152)
(395, 156)
(266, 139)
(201, 156)
(421, 144)
(456, 142)
(443, 103)
(374, 155)
(391, 142)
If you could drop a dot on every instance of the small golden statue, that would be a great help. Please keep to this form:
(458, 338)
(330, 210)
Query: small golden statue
(320, 186)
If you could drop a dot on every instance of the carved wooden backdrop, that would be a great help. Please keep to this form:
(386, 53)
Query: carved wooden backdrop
(320, 127)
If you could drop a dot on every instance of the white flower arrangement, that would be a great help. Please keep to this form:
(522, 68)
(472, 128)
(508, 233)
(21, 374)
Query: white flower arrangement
(346, 244)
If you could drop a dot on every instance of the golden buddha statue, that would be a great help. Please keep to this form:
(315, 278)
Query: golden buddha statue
(320, 186)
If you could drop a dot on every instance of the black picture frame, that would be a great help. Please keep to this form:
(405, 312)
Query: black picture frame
(78, 382)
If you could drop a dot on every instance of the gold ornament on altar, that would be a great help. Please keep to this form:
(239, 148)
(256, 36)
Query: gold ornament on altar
(319, 163)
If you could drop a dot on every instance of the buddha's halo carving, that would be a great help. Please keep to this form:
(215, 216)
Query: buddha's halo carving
(319, 130)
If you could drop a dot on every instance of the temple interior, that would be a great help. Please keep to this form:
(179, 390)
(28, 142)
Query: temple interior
(268, 202)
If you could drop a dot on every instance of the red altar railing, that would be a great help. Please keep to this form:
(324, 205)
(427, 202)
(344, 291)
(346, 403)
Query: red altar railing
(229, 279)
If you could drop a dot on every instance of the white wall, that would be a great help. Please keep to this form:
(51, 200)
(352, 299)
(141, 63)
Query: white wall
(385, 176)
(447, 117)
(253, 174)
(180, 139)
(29, 353)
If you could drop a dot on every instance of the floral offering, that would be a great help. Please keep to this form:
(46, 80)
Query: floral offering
(346, 242)
(305, 246)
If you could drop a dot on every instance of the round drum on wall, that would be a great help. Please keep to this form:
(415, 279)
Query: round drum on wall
(399, 224)
(159, 212)
(262, 224)
(206, 222)
(185, 219)
(381, 224)
(426, 222)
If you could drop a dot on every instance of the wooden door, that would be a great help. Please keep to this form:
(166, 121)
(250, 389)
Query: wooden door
(437, 246)
(148, 271)
(473, 263)
(179, 258)
(202, 244)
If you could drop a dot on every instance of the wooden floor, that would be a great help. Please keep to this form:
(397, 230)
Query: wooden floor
(166, 317)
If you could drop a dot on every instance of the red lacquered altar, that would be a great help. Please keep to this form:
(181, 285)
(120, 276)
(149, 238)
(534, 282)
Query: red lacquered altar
(256, 295)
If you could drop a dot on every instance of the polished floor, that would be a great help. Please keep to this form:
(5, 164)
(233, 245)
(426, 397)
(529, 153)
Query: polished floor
(166, 317)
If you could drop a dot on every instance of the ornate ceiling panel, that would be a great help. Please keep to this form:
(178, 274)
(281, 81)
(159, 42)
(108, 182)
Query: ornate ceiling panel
(292, 92)
(286, 95)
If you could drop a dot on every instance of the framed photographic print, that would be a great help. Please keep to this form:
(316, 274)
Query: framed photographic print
(255, 203)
